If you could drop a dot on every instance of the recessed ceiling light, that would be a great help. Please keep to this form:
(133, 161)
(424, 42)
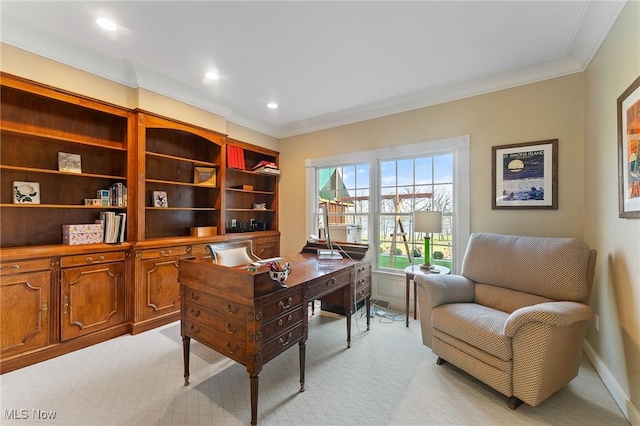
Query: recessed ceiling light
(272, 105)
(107, 24)
(212, 75)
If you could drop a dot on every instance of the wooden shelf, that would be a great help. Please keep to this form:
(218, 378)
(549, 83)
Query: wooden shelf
(175, 158)
(44, 133)
(56, 172)
(170, 182)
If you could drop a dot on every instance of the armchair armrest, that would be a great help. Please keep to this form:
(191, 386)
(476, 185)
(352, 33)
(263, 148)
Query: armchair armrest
(444, 289)
(549, 313)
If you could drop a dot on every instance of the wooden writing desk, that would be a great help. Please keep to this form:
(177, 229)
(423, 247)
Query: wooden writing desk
(250, 318)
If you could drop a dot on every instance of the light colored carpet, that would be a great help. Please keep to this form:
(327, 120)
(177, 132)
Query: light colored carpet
(387, 378)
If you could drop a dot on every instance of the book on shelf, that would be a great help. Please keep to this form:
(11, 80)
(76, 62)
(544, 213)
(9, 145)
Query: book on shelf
(265, 164)
(114, 225)
(235, 157)
(268, 171)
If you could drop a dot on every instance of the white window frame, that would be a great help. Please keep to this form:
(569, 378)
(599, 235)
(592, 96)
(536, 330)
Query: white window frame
(459, 146)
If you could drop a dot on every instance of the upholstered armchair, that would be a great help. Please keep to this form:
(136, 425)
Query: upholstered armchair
(516, 316)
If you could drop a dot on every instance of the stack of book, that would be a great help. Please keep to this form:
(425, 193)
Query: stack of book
(114, 225)
(268, 167)
(235, 157)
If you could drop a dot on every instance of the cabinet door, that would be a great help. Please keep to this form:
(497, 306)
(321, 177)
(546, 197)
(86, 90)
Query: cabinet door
(158, 291)
(92, 299)
(24, 312)
(266, 247)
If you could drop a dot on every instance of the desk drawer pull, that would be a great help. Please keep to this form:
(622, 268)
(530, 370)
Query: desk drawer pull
(231, 330)
(231, 350)
(195, 330)
(194, 313)
(285, 342)
(288, 305)
(195, 296)
(15, 267)
(232, 311)
(281, 321)
(331, 282)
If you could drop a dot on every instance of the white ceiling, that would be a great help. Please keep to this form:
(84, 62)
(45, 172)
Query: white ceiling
(325, 63)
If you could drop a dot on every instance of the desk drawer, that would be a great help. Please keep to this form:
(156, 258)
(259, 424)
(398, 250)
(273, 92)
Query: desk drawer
(287, 301)
(234, 348)
(328, 284)
(363, 292)
(223, 324)
(282, 323)
(217, 304)
(282, 342)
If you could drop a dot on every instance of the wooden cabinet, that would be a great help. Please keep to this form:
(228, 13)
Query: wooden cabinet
(92, 293)
(25, 302)
(172, 158)
(157, 291)
(36, 124)
(251, 198)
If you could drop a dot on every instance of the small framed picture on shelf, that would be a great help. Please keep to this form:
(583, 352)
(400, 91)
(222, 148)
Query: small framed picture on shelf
(26, 192)
(204, 176)
(70, 163)
(160, 199)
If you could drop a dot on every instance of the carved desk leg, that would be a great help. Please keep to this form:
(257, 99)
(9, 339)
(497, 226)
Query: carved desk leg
(303, 350)
(347, 291)
(186, 341)
(254, 380)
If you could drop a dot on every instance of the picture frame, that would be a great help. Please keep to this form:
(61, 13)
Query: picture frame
(204, 176)
(628, 106)
(525, 175)
(26, 192)
(160, 199)
(70, 163)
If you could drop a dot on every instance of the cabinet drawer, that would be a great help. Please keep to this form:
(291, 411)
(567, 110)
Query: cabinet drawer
(217, 304)
(328, 284)
(91, 259)
(362, 292)
(20, 266)
(232, 347)
(267, 240)
(282, 342)
(284, 303)
(223, 324)
(282, 323)
(164, 252)
(363, 269)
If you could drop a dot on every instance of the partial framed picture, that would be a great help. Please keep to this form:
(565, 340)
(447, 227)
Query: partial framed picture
(70, 163)
(525, 175)
(204, 176)
(26, 192)
(629, 152)
(160, 199)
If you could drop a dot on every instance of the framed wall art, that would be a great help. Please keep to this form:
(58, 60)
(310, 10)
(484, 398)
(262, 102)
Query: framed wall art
(70, 163)
(629, 152)
(525, 175)
(204, 176)
(26, 192)
(160, 199)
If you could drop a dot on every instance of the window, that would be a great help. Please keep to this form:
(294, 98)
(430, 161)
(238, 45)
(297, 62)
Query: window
(372, 196)
(408, 185)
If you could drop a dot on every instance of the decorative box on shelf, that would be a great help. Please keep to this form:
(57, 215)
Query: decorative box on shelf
(90, 233)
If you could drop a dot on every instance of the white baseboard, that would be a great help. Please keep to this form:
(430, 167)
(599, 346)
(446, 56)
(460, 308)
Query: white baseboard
(619, 395)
